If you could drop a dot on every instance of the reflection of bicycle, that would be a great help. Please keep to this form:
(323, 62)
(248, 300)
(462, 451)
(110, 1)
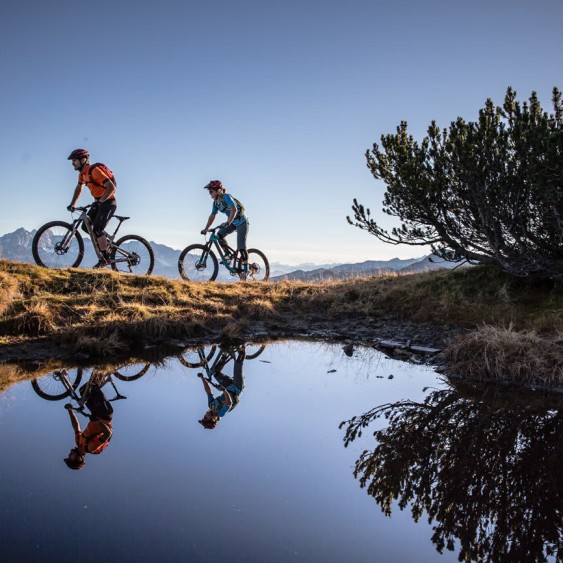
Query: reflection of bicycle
(69, 383)
(200, 357)
(60, 245)
(199, 263)
(54, 387)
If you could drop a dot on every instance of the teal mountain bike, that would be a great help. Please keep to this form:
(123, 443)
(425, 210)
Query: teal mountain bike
(200, 263)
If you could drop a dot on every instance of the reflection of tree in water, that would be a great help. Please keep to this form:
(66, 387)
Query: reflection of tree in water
(487, 475)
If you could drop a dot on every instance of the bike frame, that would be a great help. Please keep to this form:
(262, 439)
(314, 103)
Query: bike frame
(85, 219)
(210, 369)
(62, 376)
(214, 242)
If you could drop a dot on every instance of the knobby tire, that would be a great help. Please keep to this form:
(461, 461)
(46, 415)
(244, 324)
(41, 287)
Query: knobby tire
(52, 389)
(130, 372)
(192, 359)
(191, 270)
(142, 261)
(254, 352)
(45, 240)
(257, 258)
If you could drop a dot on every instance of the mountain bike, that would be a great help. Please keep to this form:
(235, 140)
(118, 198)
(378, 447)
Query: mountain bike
(69, 383)
(199, 263)
(200, 357)
(54, 387)
(60, 245)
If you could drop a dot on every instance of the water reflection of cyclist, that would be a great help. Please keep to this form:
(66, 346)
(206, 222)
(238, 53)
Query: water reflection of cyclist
(232, 388)
(97, 434)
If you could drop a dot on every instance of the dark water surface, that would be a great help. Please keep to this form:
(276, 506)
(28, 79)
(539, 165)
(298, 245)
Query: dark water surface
(273, 481)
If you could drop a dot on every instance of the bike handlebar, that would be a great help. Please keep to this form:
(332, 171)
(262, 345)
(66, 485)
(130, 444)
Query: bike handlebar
(79, 408)
(212, 231)
(85, 208)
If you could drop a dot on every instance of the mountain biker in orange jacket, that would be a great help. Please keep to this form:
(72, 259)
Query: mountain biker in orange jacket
(97, 434)
(102, 188)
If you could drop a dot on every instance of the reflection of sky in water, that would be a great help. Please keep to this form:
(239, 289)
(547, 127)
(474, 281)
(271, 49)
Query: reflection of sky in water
(272, 482)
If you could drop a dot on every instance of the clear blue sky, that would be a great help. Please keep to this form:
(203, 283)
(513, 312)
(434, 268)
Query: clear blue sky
(279, 100)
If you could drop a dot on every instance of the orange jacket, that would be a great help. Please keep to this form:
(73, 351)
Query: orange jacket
(96, 436)
(96, 187)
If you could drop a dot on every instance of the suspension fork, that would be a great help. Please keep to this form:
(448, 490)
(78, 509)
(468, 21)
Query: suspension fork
(203, 360)
(62, 376)
(205, 254)
(65, 243)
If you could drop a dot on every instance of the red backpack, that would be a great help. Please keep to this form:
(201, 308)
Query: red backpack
(104, 169)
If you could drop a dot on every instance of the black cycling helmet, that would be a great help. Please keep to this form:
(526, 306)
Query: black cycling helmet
(214, 185)
(77, 154)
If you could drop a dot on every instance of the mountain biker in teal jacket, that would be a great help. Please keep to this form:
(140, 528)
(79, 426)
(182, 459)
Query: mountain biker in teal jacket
(236, 219)
(232, 388)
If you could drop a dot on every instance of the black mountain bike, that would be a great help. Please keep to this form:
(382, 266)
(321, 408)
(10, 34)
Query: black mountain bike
(59, 384)
(60, 245)
(81, 399)
(199, 263)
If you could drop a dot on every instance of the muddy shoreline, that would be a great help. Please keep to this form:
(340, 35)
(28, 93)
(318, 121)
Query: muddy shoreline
(40, 350)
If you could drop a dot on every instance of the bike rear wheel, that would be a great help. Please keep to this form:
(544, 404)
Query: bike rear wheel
(258, 266)
(52, 387)
(132, 255)
(55, 246)
(197, 264)
(130, 372)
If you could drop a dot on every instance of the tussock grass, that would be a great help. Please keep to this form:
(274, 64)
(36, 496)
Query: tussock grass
(104, 312)
(106, 344)
(504, 354)
(9, 289)
(10, 374)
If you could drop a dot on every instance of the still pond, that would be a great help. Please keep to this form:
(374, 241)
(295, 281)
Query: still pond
(452, 472)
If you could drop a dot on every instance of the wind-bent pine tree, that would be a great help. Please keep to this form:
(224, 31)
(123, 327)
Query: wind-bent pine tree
(489, 192)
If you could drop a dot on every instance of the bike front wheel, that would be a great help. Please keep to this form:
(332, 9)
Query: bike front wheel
(258, 266)
(132, 254)
(52, 386)
(254, 350)
(56, 246)
(196, 358)
(198, 264)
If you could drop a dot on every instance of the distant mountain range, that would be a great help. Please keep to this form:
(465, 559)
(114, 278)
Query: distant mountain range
(17, 246)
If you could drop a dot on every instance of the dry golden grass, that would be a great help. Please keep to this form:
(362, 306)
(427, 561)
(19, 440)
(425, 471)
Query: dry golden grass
(10, 374)
(504, 354)
(106, 312)
(8, 291)
(34, 300)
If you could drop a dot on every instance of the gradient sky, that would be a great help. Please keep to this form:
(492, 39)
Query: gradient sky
(279, 100)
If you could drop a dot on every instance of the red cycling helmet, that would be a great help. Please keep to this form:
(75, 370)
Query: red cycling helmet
(77, 154)
(214, 185)
(209, 424)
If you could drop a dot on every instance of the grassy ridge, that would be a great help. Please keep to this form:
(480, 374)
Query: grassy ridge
(107, 312)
